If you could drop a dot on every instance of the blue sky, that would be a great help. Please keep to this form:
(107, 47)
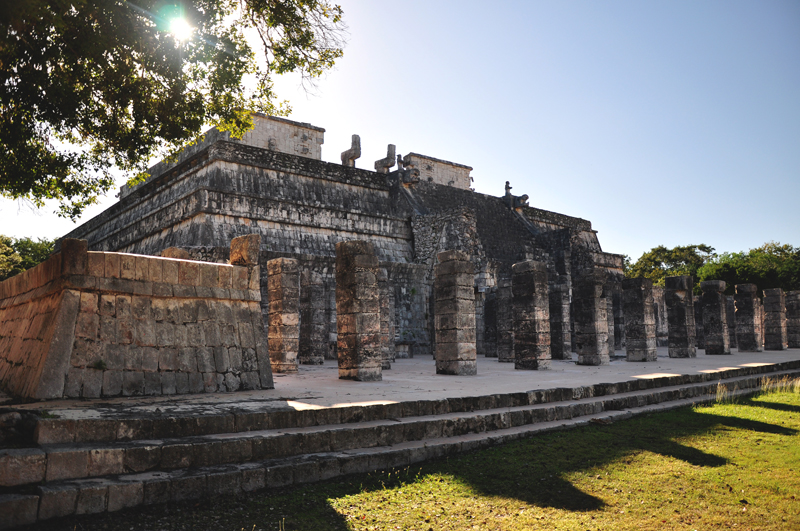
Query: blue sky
(663, 123)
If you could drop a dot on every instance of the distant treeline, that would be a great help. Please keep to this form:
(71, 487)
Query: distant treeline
(17, 255)
(770, 266)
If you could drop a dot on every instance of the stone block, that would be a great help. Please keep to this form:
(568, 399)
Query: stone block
(56, 501)
(20, 466)
(18, 509)
(245, 250)
(680, 317)
(125, 495)
(92, 497)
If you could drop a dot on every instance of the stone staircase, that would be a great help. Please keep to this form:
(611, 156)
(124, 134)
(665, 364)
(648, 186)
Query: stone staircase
(92, 465)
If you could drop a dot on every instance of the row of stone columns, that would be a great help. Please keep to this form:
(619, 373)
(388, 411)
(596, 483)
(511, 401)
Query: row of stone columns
(750, 334)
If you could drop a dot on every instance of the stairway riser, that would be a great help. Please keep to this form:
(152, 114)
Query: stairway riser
(81, 463)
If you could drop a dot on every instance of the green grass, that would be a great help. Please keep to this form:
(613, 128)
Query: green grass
(733, 465)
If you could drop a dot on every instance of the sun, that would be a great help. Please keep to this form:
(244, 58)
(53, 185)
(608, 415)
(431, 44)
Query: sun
(180, 29)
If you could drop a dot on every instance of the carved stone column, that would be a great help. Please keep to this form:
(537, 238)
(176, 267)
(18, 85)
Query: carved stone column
(748, 327)
(454, 314)
(775, 320)
(793, 319)
(313, 319)
(640, 320)
(531, 315)
(505, 324)
(715, 317)
(358, 312)
(283, 338)
(591, 321)
(699, 332)
(560, 347)
(680, 317)
(731, 314)
(387, 319)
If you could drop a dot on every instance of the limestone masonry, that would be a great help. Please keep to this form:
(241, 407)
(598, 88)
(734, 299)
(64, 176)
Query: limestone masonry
(273, 183)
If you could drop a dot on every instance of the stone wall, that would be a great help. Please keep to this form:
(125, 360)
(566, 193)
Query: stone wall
(90, 324)
(439, 171)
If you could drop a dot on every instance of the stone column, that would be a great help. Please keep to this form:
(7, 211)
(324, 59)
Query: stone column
(640, 319)
(680, 317)
(591, 321)
(530, 303)
(608, 296)
(358, 323)
(748, 329)
(793, 319)
(490, 323)
(505, 325)
(283, 289)
(560, 347)
(731, 311)
(454, 314)
(775, 320)
(699, 333)
(313, 319)
(387, 321)
(715, 317)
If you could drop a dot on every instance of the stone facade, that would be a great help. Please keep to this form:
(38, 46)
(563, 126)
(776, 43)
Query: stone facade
(715, 317)
(358, 312)
(699, 331)
(505, 322)
(313, 341)
(749, 335)
(91, 324)
(775, 337)
(454, 314)
(680, 317)
(560, 337)
(283, 284)
(731, 315)
(531, 315)
(387, 319)
(302, 207)
(640, 321)
(793, 319)
(439, 171)
(591, 321)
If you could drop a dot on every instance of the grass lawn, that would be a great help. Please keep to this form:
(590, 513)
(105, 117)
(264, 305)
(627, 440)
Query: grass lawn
(727, 466)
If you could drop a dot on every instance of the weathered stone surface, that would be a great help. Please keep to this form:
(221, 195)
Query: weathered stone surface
(19, 466)
(454, 314)
(749, 331)
(591, 320)
(244, 250)
(18, 510)
(731, 316)
(358, 311)
(531, 315)
(114, 335)
(793, 319)
(313, 341)
(284, 313)
(349, 156)
(715, 317)
(680, 317)
(640, 322)
(504, 322)
(775, 331)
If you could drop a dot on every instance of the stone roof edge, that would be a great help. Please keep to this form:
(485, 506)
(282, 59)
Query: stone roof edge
(442, 161)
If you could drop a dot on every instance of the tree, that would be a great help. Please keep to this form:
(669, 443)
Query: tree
(18, 255)
(87, 85)
(770, 266)
(659, 262)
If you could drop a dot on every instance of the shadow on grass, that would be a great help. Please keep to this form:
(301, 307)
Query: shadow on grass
(774, 405)
(532, 471)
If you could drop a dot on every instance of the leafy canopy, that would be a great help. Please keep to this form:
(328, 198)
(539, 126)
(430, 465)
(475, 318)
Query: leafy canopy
(18, 255)
(87, 85)
(659, 262)
(770, 266)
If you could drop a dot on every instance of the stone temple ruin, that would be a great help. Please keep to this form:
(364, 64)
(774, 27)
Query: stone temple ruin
(246, 257)
(242, 261)
(272, 183)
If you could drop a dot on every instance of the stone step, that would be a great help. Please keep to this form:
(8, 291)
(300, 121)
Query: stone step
(121, 424)
(115, 492)
(51, 463)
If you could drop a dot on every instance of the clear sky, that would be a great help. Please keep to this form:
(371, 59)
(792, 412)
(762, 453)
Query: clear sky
(662, 122)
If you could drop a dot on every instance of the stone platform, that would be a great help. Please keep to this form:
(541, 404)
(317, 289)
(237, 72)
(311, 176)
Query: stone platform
(89, 456)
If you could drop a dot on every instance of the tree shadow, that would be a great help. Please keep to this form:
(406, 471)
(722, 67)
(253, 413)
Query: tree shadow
(774, 405)
(533, 471)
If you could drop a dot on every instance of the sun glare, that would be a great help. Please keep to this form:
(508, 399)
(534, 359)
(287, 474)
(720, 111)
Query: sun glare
(180, 29)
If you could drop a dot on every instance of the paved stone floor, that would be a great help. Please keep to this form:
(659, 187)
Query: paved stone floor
(409, 379)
